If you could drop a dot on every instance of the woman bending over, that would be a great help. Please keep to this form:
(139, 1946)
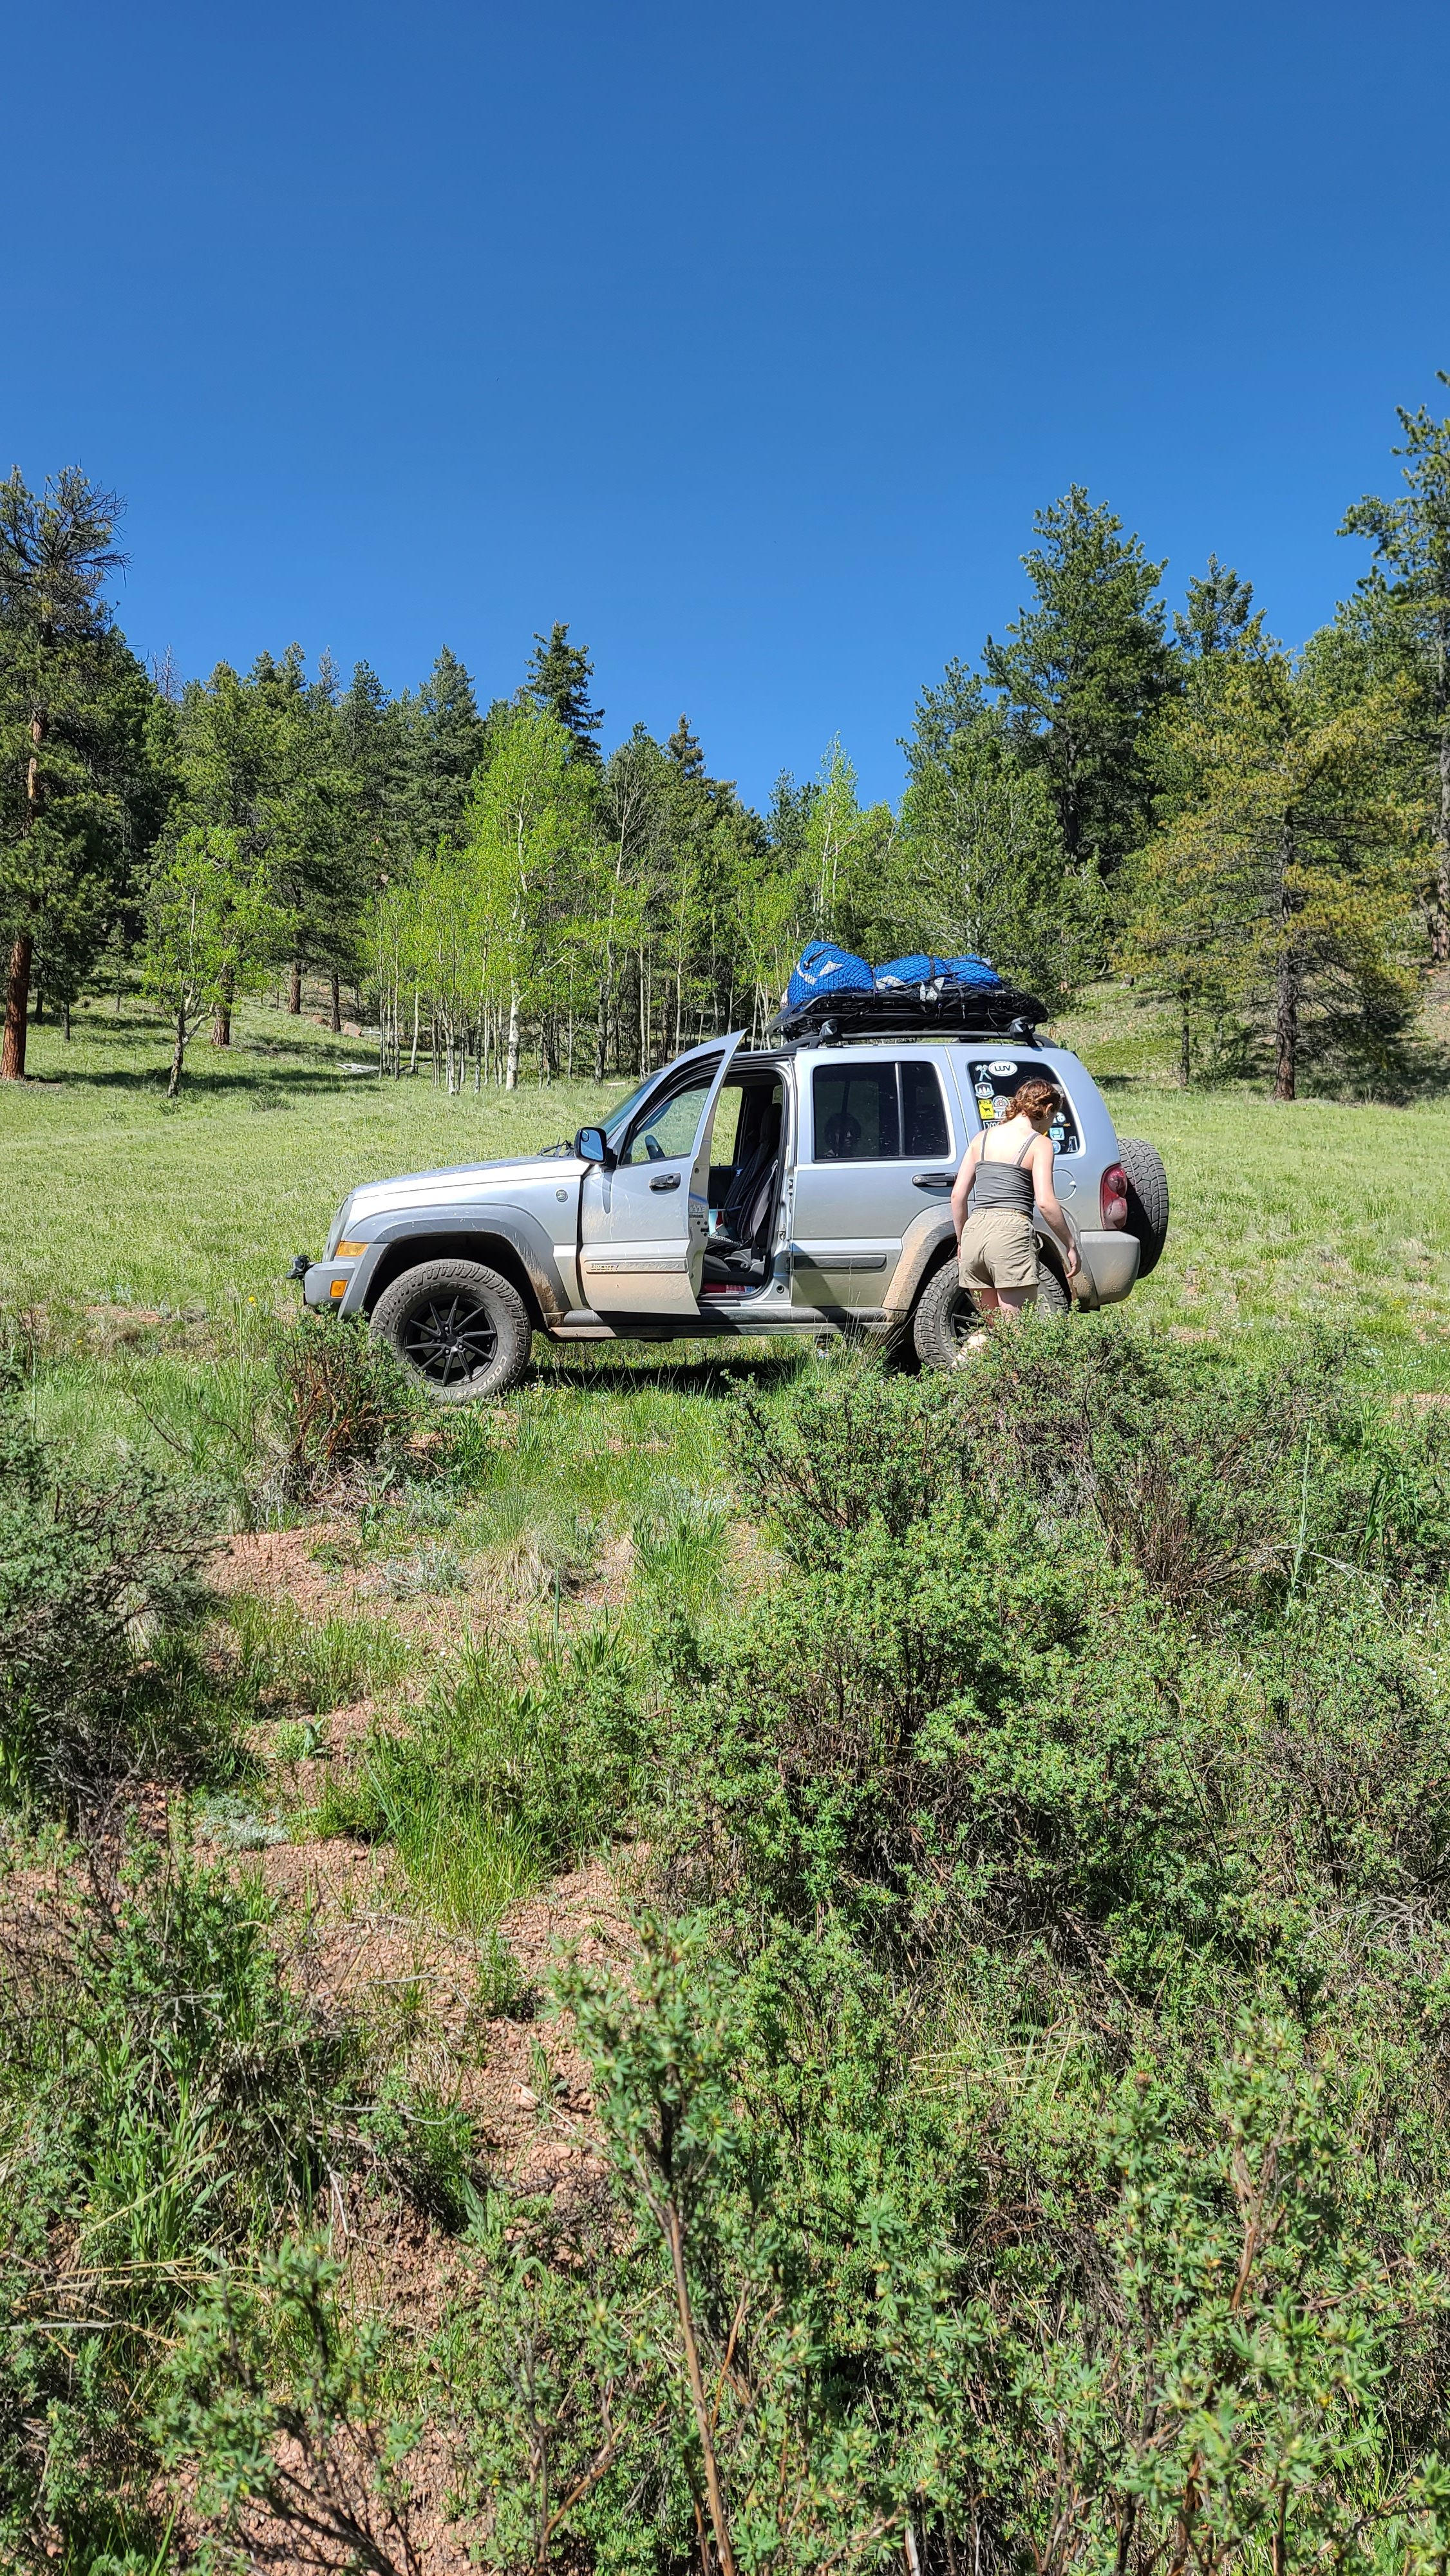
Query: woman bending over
(1006, 1172)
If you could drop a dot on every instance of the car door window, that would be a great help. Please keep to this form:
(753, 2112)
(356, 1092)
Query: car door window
(856, 1118)
(878, 1113)
(667, 1132)
(923, 1111)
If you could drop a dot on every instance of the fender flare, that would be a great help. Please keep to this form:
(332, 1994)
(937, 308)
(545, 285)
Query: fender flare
(508, 1238)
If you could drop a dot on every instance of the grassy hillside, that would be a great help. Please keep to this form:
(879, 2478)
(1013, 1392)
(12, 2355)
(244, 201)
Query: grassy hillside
(1339, 1213)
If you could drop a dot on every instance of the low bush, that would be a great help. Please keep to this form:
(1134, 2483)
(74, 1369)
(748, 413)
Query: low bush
(1059, 2315)
(346, 1405)
(100, 1601)
(168, 2105)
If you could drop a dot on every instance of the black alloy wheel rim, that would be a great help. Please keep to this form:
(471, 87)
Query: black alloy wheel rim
(962, 1317)
(449, 1339)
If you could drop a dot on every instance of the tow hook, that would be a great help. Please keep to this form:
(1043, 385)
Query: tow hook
(301, 1263)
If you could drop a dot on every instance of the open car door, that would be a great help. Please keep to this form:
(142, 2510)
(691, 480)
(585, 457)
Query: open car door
(644, 1222)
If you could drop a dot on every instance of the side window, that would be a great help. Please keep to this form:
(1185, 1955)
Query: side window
(923, 1110)
(725, 1136)
(855, 1110)
(995, 1078)
(667, 1132)
(875, 1113)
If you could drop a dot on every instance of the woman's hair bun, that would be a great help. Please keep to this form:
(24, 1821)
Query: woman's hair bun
(1036, 1098)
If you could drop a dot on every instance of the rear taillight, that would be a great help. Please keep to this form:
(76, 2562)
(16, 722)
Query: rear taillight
(1113, 1196)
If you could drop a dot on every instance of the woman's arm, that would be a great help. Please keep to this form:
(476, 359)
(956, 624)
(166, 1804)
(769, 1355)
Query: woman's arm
(962, 1187)
(1049, 1204)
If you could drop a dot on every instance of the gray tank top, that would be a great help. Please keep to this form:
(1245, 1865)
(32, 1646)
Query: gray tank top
(1005, 1185)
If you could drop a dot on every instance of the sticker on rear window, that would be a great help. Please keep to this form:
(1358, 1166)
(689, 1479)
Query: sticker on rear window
(1001, 1068)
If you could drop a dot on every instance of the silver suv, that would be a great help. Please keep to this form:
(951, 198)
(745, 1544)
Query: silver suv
(801, 1190)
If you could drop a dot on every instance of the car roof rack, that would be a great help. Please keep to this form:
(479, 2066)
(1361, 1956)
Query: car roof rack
(830, 1019)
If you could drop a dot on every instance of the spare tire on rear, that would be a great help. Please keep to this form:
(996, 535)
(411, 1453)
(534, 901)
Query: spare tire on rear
(1147, 1199)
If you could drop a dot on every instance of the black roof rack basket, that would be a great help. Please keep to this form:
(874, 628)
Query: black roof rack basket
(1001, 1011)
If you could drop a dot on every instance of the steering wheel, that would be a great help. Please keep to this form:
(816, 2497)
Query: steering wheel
(655, 1149)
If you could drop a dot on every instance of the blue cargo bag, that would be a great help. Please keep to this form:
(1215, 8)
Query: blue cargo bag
(939, 974)
(824, 968)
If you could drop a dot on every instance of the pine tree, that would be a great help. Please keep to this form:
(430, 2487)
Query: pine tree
(1083, 674)
(1221, 619)
(67, 687)
(445, 744)
(1407, 597)
(978, 862)
(684, 750)
(558, 680)
(1284, 881)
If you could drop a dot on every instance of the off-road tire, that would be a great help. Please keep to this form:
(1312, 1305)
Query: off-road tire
(1147, 1199)
(458, 1329)
(946, 1313)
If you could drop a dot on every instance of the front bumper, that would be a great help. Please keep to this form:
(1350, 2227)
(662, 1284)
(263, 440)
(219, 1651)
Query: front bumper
(340, 1287)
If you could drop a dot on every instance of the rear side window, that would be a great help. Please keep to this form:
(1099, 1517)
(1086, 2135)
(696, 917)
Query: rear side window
(996, 1077)
(876, 1113)
(923, 1110)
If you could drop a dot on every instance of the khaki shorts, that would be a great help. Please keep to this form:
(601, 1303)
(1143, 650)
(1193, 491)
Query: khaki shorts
(999, 1250)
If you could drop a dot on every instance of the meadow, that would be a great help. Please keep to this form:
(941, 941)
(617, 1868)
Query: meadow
(949, 1872)
(115, 1200)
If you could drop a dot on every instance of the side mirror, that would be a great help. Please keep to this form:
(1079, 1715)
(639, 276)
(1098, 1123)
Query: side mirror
(592, 1146)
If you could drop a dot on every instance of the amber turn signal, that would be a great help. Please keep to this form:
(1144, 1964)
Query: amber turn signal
(338, 1288)
(349, 1251)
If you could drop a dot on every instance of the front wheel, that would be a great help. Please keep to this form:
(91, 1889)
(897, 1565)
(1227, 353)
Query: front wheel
(458, 1329)
(946, 1313)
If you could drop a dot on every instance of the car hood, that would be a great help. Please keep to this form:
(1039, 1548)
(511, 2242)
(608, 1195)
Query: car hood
(446, 1186)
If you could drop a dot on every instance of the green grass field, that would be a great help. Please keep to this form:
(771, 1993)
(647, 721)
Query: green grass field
(117, 1201)
(452, 1687)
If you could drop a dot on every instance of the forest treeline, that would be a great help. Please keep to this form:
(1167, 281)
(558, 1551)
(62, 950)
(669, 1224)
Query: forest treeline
(1257, 834)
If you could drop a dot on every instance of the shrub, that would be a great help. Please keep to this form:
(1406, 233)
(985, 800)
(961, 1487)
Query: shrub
(169, 2103)
(346, 1404)
(99, 1591)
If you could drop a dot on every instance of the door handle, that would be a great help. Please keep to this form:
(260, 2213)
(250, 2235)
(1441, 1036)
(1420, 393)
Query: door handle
(665, 1181)
(931, 1180)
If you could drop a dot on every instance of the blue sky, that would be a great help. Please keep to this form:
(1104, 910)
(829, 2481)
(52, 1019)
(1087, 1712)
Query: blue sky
(746, 339)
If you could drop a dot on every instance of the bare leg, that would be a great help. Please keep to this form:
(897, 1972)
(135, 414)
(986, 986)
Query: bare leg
(1014, 1302)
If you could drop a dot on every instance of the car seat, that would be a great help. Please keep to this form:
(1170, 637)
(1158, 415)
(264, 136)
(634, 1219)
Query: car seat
(745, 1213)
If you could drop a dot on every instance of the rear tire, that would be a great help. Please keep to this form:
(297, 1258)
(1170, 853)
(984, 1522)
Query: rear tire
(458, 1329)
(1147, 1199)
(946, 1313)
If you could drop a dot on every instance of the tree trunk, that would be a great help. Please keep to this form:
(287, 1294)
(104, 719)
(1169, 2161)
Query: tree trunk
(17, 996)
(1185, 1050)
(335, 1023)
(1286, 1027)
(1286, 979)
(413, 1058)
(1440, 926)
(221, 1027)
(511, 1061)
(178, 1050)
(65, 1022)
(294, 997)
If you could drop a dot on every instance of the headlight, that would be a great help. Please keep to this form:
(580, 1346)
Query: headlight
(338, 1222)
